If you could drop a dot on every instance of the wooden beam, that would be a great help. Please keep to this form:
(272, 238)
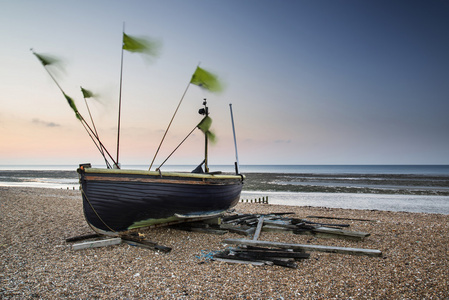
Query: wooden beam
(329, 249)
(95, 244)
(258, 229)
(350, 234)
(337, 218)
(82, 237)
(235, 261)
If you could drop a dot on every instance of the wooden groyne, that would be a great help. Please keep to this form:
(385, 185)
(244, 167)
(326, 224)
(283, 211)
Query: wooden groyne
(263, 200)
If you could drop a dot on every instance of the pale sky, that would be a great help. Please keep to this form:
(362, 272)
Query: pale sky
(310, 82)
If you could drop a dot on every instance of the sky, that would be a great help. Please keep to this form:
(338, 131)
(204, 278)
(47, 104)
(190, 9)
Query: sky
(310, 82)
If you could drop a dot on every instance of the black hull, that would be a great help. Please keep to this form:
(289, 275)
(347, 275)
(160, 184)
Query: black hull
(121, 200)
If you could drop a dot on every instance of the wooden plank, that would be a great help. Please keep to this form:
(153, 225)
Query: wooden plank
(258, 229)
(204, 230)
(273, 253)
(244, 230)
(354, 234)
(329, 249)
(279, 223)
(328, 235)
(275, 228)
(235, 261)
(336, 218)
(82, 237)
(151, 245)
(95, 244)
(298, 221)
(241, 219)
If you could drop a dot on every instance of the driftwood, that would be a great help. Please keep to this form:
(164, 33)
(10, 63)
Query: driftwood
(337, 218)
(243, 230)
(258, 228)
(279, 257)
(242, 224)
(133, 240)
(329, 249)
(82, 237)
(95, 244)
(143, 243)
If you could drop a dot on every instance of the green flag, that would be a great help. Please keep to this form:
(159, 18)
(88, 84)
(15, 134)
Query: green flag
(206, 80)
(87, 93)
(46, 59)
(72, 105)
(204, 126)
(140, 45)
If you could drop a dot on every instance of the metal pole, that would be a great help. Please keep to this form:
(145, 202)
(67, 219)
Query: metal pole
(237, 167)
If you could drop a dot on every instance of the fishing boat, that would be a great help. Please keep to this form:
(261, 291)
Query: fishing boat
(117, 200)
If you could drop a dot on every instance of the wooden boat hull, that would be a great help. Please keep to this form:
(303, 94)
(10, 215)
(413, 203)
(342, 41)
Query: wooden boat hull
(120, 200)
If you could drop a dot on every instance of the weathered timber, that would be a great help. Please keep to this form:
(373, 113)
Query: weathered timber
(213, 221)
(273, 253)
(241, 219)
(82, 237)
(258, 228)
(326, 235)
(275, 228)
(327, 232)
(282, 224)
(200, 227)
(297, 221)
(133, 241)
(235, 261)
(259, 257)
(95, 244)
(244, 230)
(204, 230)
(337, 218)
(346, 233)
(240, 256)
(231, 218)
(329, 249)
(133, 238)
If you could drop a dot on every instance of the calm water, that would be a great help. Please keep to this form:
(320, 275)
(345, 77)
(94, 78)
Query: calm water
(413, 188)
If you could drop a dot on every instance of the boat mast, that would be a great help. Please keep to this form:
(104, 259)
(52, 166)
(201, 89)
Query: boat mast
(117, 165)
(237, 165)
(205, 111)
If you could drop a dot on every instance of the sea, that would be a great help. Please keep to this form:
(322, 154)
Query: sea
(409, 188)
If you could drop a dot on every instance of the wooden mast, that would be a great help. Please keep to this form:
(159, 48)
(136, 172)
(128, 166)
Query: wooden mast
(117, 165)
(206, 112)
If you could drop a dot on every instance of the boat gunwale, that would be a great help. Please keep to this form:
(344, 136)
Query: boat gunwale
(160, 174)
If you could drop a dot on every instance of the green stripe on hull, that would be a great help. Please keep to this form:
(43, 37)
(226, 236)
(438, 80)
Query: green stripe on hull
(151, 222)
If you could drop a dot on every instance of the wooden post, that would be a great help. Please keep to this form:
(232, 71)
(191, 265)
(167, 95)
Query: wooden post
(329, 249)
(258, 229)
(95, 244)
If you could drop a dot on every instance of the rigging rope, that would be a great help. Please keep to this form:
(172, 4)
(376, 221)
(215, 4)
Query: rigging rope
(93, 209)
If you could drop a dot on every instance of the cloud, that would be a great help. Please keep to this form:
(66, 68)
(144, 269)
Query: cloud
(44, 123)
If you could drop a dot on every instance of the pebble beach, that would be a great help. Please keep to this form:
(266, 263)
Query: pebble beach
(37, 262)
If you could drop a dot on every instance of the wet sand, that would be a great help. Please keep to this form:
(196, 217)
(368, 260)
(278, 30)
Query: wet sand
(38, 263)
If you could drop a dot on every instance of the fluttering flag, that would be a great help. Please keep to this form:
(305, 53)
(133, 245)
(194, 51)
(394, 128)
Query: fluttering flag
(50, 62)
(206, 80)
(87, 93)
(46, 59)
(73, 106)
(204, 126)
(140, 45)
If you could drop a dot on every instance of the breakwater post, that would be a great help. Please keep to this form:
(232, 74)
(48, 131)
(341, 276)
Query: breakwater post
(263, 200)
